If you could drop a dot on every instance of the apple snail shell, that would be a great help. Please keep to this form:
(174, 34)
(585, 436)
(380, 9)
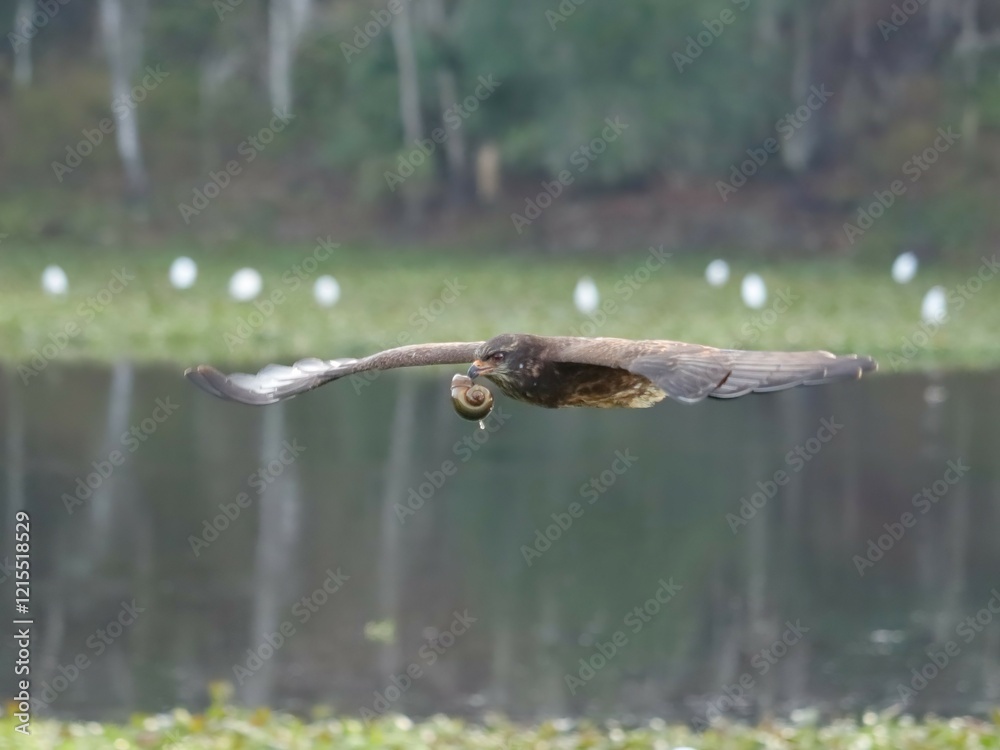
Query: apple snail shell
(471, 401)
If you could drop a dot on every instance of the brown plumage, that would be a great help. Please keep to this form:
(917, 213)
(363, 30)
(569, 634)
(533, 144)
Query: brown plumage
(557, 371)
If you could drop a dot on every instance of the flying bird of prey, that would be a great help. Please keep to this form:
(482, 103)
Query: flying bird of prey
(557, 371)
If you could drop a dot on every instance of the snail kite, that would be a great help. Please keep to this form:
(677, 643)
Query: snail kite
(556, 371)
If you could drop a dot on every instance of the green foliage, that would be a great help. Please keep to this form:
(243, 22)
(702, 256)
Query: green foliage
(188, 26)
(37, 216)
(564, 68)
(356, 103)
(695, 93)
(46, 120)
(605, 60)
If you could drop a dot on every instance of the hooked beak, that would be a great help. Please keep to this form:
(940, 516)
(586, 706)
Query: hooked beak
(479, 368)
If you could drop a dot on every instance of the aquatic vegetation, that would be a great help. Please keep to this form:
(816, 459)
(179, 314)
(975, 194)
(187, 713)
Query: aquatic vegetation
(252, 729)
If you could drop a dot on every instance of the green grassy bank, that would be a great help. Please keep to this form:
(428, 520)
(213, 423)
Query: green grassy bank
(389, 297)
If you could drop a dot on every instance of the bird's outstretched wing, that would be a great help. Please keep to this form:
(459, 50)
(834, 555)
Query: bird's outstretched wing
(276, 382)
(690, 372)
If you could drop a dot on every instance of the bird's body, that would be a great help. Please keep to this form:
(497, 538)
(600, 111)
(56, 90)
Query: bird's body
(562, 371)
(557, 384)
(538, 374)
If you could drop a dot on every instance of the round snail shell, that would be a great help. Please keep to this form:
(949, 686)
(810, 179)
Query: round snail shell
(471, 401)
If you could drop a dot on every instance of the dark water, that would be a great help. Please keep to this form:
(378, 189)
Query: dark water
(204, 554)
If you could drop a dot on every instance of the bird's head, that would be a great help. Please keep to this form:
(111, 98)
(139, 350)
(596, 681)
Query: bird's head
(502, 356)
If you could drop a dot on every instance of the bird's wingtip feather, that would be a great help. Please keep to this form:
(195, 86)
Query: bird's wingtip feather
(199, 375)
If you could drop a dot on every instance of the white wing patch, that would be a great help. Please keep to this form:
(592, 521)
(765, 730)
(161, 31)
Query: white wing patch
(272, 383)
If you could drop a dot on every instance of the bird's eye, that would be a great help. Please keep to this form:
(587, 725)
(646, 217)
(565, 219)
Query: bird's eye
(497, 356)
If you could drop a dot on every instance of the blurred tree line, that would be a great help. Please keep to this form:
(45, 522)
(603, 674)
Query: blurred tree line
(384, 89)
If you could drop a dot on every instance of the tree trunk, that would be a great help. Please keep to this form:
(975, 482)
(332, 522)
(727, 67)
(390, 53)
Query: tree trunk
(401, 31)
(22, 42)
(121, 32)
(278, 539)
(798, 151)
(455, 149)
(768, 30)
(287, 24)
(861, 25)
(941, 13)
(391, 558)
(969, 47)
(217, 70)
(102, 508)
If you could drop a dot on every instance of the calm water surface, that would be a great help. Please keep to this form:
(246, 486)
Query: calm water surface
(370, 551)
